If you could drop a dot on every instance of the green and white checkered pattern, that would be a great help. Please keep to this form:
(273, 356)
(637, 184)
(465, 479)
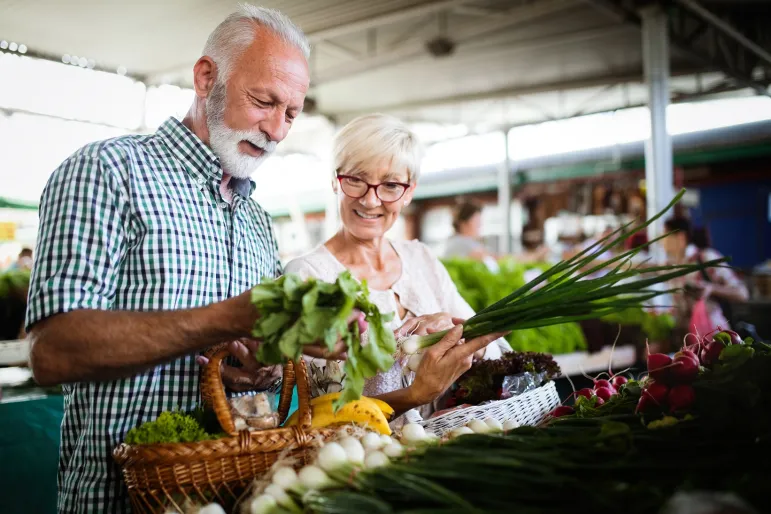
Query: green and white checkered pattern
(138, 223)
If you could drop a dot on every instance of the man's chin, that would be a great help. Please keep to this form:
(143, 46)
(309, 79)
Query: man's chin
(244, 170)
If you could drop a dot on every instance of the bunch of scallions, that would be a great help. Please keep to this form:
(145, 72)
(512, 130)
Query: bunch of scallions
(566, 292)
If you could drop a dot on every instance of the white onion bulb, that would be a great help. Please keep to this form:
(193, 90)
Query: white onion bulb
(457, 432)
(413, 433)
(285, 478)
(375, 460)
(262, 504)
(313, 477)
(394, 450)
(510, 424)
(479, 427)
(494, 424)
(372, 441)
(331, 457)
(353, 450)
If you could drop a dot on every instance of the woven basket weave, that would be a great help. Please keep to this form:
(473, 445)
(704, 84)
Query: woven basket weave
(164, 477)
(526, 409)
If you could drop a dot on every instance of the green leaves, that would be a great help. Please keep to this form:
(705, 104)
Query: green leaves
(296, 312)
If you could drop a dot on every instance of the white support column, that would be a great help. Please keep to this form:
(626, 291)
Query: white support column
(504, 198)
(658, 149)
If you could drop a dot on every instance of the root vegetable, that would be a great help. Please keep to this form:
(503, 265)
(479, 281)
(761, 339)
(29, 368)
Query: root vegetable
(279, 495)
(710, 354)
(562, 410)
(494, 424)
(414, 362)
(313, 477)
(386, 439)
(598, 384)
(457, 432)
(212, 508)
(510, 424)
(585, 392)
(681, 397)
(603, 393)
(657, 392)
(658, 366)
(263, 504)
(618, 381)
(376, 459)
(285, 478)
(598, 401)
(413, 433)
(479, 427)
(394, 450)
(372, 441)
(685, 367)
(353, 450)
(332, 456)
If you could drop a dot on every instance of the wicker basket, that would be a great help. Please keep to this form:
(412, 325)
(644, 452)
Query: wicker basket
(526, 409)
(164, 477)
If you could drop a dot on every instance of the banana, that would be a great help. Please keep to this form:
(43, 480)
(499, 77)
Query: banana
(331, 397)
(361, 411)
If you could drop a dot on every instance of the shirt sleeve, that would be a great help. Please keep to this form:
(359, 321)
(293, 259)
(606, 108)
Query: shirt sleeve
(722, 275)
(81, 240)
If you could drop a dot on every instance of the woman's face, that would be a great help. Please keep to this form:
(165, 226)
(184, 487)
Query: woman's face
(368, 217)
(473, 227)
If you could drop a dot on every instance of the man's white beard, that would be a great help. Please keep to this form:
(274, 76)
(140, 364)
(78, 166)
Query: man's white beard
(224, 140)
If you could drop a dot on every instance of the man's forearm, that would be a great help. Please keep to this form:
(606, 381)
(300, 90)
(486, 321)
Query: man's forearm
(401, 400)
(93, 345)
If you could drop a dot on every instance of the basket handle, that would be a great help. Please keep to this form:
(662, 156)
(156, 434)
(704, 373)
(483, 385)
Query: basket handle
(213, 391)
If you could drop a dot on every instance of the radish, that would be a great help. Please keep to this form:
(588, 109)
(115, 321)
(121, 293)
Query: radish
(644, 404)
(685, 367)
(681, 397)
(735, 338)
(603, 393)
(657, 392)
(658, 366)
(599, 384)
(618, 380)
(598, 401)
(585, 392)
(710, 354)
(562, 410)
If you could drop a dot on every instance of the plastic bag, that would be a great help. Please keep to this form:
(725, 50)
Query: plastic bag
(700, 321)
(514, 385)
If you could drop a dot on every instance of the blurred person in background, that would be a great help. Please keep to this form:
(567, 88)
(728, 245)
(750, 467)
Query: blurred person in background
(717, 286)
(23, 261)
(377, 166)
(466, 243)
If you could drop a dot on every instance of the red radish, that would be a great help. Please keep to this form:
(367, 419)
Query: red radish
(658, 366)
(685, 352)
(585, 392)
(598, 401)
(685, 367)
(599, 384)
(618, 381)
(711, 353)
(562, 410)
(645, 404)
(603, 393)
(657, 392)
(735, 338)
(680, 397)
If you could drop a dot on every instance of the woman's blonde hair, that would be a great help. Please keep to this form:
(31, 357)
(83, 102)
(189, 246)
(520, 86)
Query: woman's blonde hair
(374, 138)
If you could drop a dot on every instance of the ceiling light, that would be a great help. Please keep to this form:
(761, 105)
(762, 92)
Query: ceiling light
(122, 70)
(3, 44)
(66, 58)
(22, 49)
(82, 62)
(91, 63)
(13, 47)
(74, 60)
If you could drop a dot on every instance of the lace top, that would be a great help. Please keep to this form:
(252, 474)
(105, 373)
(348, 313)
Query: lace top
(424, 288)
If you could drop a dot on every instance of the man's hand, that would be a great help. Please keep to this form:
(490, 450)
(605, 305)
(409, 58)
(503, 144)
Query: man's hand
(320, 351)
(253, 376)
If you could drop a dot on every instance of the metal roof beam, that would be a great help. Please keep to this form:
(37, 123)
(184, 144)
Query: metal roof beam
(400, 55)
(723, 51)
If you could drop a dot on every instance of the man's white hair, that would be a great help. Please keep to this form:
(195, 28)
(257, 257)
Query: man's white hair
(376, 138)
(238, 31)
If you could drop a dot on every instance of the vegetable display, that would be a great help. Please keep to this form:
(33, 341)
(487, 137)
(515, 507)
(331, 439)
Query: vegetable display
(601, 456)
(566, 293)
(294, 313)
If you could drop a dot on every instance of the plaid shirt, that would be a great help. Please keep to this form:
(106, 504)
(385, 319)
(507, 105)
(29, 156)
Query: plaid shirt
(138, 223)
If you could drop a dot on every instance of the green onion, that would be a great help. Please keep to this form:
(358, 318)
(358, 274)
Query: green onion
(568, 295)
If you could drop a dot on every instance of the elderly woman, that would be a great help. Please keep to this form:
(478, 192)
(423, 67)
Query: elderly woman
(377, 160)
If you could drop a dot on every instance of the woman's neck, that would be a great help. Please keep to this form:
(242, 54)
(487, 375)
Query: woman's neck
(353, 251)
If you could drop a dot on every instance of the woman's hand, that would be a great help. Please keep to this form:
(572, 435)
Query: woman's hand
(428, 324)
(444, 363)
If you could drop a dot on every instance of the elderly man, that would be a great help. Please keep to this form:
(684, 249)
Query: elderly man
(148, 246)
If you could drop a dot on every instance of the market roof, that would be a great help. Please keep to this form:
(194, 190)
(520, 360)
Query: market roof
(485, 62)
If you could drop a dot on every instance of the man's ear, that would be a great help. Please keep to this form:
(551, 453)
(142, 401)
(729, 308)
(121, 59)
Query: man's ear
(204, 76)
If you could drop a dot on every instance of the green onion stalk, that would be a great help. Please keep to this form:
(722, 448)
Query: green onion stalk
(567, 294)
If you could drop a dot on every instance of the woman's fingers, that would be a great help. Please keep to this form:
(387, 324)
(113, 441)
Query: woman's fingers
(448, 341)
(470, 347)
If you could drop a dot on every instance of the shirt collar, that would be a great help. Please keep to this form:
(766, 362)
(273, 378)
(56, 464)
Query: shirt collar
(200, 162)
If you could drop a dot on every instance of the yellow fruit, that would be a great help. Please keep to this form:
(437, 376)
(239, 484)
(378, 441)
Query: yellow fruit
(331, 397)
(362, 412)
(383, 406)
